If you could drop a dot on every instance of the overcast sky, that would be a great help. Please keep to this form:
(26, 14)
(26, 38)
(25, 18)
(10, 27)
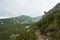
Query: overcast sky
(33, 8)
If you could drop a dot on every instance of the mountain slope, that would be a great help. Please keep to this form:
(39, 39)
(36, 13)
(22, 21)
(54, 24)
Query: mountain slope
(20, 19)
(36, 19)
(50, 23)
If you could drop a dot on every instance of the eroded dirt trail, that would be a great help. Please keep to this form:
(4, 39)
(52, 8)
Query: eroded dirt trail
(40, 36)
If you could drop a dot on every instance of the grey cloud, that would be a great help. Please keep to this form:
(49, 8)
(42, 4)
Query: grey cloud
(32, 8)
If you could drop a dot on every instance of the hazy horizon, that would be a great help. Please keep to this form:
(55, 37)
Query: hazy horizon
(33, 8)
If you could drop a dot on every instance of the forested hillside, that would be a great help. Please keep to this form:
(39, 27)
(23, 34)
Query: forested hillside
(18, 28)
(23, 19)
(50, 23)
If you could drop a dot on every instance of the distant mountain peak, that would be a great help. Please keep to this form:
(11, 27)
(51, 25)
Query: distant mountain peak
(20, 19)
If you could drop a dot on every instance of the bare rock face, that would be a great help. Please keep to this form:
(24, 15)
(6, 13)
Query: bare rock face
(39, 35)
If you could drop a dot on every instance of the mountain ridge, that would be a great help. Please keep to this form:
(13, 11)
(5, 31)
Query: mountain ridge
(20, 19)
(50, 23)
